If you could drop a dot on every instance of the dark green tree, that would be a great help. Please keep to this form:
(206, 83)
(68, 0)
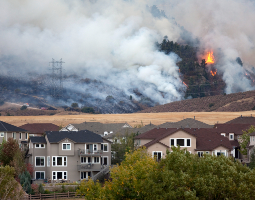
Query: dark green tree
(87, 110)
(74, 105)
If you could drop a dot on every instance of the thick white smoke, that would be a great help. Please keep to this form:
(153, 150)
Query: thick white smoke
(112, 41)
(224, 26)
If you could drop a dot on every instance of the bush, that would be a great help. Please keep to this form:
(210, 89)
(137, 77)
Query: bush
(253, 108)
(87, 110)
(23, 107)
(41, 189)
(74, 105)
(211, 105)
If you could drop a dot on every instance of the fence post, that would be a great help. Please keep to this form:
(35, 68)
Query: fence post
(68, 194)
(40, 196)
(54, 195)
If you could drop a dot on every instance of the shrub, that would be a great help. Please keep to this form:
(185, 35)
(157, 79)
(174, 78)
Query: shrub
(41, 189)
(23, 107)
(253, 108)
(211, 105)
(74, 105)
(87, 110)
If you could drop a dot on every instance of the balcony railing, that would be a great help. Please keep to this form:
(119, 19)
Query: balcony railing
(85, 167)
(82, 152)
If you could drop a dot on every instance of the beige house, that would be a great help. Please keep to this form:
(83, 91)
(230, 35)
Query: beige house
(197, 141)
(11, 131)
(69, 155)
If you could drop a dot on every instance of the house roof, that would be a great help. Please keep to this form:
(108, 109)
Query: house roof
(98, 127)
(231, 128)
(186, 123)
(37, 139)
(83, 136)
(36, 128)
(128, 131)
(206, 140)
(8, 127)
(242, 120)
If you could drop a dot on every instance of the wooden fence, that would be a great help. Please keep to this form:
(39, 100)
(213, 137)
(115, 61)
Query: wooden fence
(51, 196)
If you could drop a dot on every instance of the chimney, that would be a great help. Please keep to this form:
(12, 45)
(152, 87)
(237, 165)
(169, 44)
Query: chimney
(194, 117)
(241, 116)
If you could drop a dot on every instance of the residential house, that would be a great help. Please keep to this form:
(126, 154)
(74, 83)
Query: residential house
(185, 123)
(38, 129)
(97, 127)
(232, 132)
(68, 155)
(11, 131)
(243, 120)
(197, 141)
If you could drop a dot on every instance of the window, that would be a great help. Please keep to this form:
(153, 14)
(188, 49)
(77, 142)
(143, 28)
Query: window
(220, 153)
(223, 134)
(59, 161)
(105, 160)
(26, 136)
(59, 175)
(66, 146)
(105, 133)
(182, 142)
(95, 147)
(85, 175)
(48, 161)
(207, 152)
(39, 175)
(104, 147)
(157, 155)
(200, 153)
(20, 136)
(39, 146)
(85, 160)
(1, 134)
(14, 135)
(39, 161)
(96, 160)
(231, 136)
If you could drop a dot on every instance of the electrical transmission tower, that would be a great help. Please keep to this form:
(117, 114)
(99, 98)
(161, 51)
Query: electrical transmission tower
(57, 84)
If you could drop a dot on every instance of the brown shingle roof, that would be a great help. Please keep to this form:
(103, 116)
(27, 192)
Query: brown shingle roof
(231, 128)
(242, 120)
(36, 128)
(185, 123)
(156, 133)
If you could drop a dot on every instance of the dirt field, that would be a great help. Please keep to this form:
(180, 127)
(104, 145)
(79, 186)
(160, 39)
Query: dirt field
(132, 119)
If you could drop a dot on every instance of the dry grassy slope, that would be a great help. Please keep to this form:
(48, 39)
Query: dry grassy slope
(242, 101)
(133, 119)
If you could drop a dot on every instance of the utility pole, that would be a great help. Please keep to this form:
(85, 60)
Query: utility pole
(56, 84)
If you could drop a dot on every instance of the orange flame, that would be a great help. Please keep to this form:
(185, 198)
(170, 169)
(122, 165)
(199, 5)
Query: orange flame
(214, 73)
(185, 84)
(210, 58)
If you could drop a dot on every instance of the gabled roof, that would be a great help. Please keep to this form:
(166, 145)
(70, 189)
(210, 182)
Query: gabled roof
(8, 127)
(84, 136)
(128, 131)
(36, 128)
(38, 139)
(242, 120)
(231, 128)
(206, 140)
(186, 123)
(100, 128)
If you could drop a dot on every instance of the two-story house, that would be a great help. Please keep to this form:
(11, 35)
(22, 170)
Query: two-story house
(69, 155)
(11, 131)
(197, 141)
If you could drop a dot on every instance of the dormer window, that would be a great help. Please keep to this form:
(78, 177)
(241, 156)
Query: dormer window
(39, 146)
(2, 134)
(223, 134)
(231, 136)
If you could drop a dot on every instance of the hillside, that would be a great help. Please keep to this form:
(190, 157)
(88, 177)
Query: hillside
(242, 101)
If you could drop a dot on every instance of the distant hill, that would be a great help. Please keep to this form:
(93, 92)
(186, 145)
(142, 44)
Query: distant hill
(242, 101)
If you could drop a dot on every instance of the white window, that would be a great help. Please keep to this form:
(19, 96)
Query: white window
(1, 134)
(59, 161)
(66, 146)
(182, 142)
(105, 160)
(14, 135)
(39, 161)
(59, 175)
(31, 135)
(40, 175)
(200, 153)
(96, 160)
(39, 146)
(231, 136)
(85, 159)
(85, 175)
(220, 153)
(95, 147)
(157, 155)
(105, 133)
(104, 147)
(20, 136)
(26, 136)
(48, 161)
(207, 152)
(223, 134)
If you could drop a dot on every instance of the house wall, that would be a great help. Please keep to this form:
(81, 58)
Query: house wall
(66, 152)
(223, 149)
(144, 141)
(157, 147)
